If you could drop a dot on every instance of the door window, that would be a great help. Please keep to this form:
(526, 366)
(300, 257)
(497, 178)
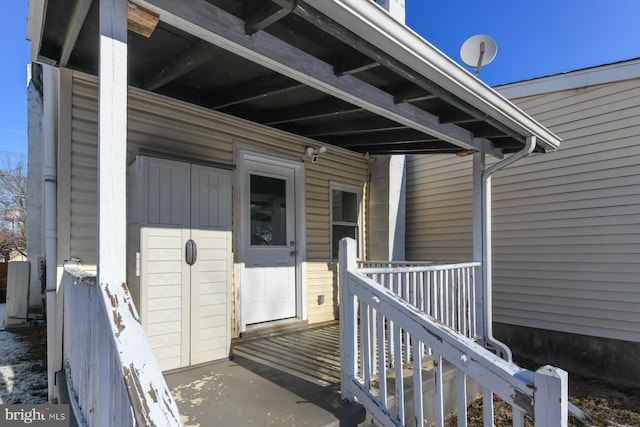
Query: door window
(268, 211)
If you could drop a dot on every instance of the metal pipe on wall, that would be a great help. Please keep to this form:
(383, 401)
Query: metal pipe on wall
(486, 239)
(50, 132)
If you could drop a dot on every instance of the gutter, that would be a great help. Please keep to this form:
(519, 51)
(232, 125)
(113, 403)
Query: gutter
(487, 267)
(375, 25)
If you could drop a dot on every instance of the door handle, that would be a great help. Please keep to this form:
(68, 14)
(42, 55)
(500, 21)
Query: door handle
(293, 253)
(191, 252)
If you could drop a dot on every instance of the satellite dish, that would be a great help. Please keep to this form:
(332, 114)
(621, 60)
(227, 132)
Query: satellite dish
(478, 51)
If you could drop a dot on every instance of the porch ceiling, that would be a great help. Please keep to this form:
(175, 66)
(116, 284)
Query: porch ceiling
(288, 65)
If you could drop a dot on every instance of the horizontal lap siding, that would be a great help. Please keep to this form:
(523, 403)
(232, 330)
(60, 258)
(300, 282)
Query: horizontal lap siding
(567, 224)
(165, 125)
(334, 167)
(439, 208)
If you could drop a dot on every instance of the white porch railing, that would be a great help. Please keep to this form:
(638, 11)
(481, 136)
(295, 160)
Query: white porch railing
(112, 376)
(445, 292)
(365, 305)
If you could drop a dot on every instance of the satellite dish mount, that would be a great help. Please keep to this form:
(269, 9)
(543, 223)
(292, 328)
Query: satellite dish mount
(478, 51)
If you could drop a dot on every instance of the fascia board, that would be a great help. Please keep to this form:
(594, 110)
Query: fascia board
(603, 74)
(35, 25)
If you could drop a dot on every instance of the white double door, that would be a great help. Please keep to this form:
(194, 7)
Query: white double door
(186, 261)
(268, 240)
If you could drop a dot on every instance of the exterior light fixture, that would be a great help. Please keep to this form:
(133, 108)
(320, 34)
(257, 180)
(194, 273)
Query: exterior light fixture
(314, 153)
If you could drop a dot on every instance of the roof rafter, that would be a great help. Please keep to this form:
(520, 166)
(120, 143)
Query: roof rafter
(197, 54)
(394, 137)
(258, 88)
(411, 93)
(412, 148)
(360, 126)
(310, 14)
(263, 15)
(314, 110)
(346, 63)
(203, 20)
(73, 30)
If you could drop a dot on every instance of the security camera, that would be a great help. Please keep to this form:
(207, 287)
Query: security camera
(314, 153)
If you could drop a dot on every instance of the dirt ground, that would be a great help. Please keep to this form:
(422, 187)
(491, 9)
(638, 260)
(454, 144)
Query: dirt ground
(603, 404)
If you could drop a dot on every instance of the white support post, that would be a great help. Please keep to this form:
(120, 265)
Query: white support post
(461, 390)
(438, 390)
(112, 142)
(478, 243)
(551, 397)
(348, 328)
(487, 406)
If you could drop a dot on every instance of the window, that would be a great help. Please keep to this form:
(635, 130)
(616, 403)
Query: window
(344, 217)
(268, 211)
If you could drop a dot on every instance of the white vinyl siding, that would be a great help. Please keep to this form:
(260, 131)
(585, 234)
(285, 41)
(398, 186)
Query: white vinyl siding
(566, 224)
(171, 126)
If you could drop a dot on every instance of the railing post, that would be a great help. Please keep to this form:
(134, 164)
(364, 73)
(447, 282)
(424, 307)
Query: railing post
(551, 397)
(348, 326)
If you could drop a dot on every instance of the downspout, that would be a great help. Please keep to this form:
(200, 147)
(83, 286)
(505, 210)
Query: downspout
(487, 260)
(50, 100)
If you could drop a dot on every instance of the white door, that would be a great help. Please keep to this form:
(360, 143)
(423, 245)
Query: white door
(211, 270)
(269, 277)
(185, 263)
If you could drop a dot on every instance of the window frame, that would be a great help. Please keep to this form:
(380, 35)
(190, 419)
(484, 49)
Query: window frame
(359, 235)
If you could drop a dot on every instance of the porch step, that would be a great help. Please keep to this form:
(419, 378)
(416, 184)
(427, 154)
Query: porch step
(428, 386)
(266, 329)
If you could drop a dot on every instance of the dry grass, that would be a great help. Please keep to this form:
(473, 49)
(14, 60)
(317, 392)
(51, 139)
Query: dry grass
(605, 406)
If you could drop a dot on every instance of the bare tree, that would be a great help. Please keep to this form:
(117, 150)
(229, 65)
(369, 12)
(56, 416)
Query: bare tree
(13, 208)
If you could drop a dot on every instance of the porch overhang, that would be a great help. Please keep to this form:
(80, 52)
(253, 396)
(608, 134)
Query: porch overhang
(340, 72)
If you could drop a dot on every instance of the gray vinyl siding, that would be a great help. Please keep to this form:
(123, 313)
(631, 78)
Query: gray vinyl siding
(439, 208)
(566, 224)
(171, 126)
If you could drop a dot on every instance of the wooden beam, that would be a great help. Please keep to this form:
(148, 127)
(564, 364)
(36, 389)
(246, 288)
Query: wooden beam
(204, 20)
(141, 21)
(78, 16)
(352, 62)
(112, 143)
(198, 53)
(457, 117)
(409, 149)
(327, 108)
(380, 138)
(369, 125)
(411, 93)
(255, 89)
(265, 15)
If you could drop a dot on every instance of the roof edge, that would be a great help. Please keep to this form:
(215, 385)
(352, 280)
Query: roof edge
(379, 28)
(600, 74)
(35, 26)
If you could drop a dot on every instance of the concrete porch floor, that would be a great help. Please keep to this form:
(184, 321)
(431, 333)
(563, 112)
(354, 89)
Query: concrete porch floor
(287, 379)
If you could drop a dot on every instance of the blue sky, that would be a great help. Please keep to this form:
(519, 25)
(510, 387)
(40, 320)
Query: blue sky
(535, 38)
